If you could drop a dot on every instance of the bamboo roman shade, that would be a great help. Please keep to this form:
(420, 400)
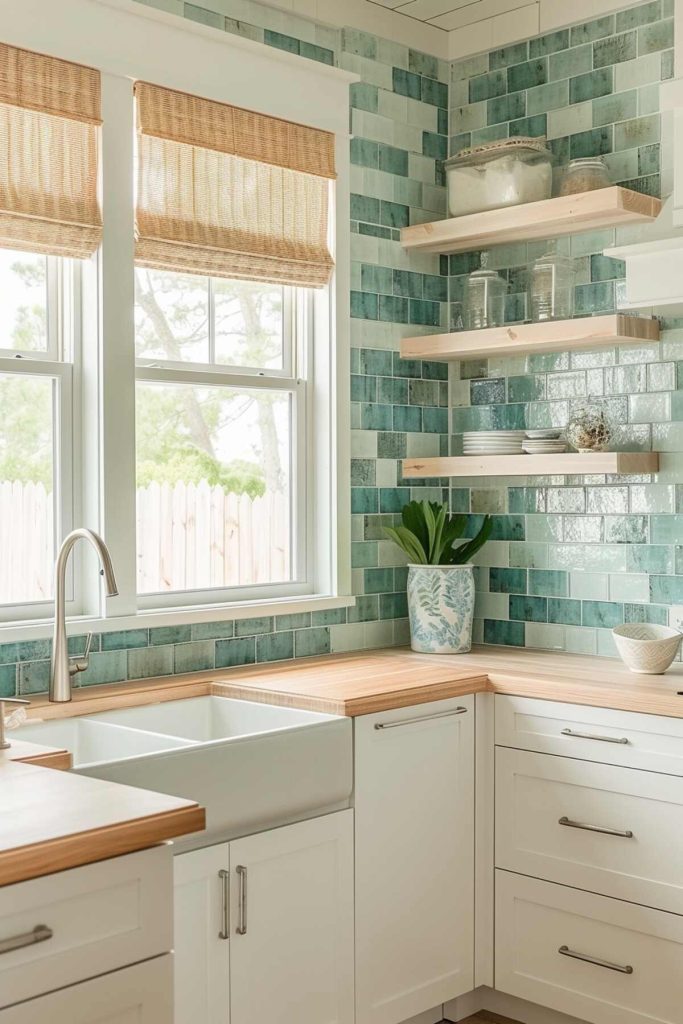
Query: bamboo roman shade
(49, 117)
(231, 193)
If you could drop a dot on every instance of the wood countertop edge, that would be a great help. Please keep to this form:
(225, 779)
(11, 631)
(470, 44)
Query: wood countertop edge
(23, 863)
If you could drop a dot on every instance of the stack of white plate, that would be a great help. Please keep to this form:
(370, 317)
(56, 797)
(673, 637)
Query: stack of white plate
(493, 442)
(544, 442)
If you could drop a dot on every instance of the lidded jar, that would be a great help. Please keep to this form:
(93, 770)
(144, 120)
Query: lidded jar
(484, 298)
(551, 287)
(585, 175)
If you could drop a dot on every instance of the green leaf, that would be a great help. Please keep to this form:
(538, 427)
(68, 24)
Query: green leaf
(408, 543)
(414, 520)
(466, 551)
(454, 528)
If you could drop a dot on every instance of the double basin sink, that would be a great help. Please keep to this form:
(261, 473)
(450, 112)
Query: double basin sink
(252, 766)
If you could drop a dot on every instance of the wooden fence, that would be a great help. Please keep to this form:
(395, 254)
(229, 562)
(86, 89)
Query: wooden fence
(190, 537)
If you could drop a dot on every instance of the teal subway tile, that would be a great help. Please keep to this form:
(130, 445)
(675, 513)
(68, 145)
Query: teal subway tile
(606, 268)
(528, 388)
(548, 583)
(8, 680)
(435, 93)
(364, 500)
(643, 14)
(235, 652)
(639, 131)
(364, 96)
(363, 389)
(602, 614)
(434, 421)
(564, 611)
(424, 312)
(248, 627)
(407, 418)
(366, 609)
(364, 208)
(658, 614)
(423, 392)
(529, 126)
(280, 41)
(649, 160)
(34, 676)
(650, 185)
(361, 43)
(405, 83)
(552, 96)
(527, 499)
(25, 650)
(666, 529)
(212, 630)
(594, 142)
(550, 43)
(394, 215)
(363, 472)
(526, 75)
(460, 499)
(487, 86)
(394, 160)
(392, 499)
(275, 646)
(531, 556)
(145, 662)
(617, 107)
(194, 657)
(297, 620)
(507, 581)
(435, 290)
(379, 581)
(517, 53)
(363, 554)
(667, 65)
(391, 391)
(500, 631)
(487, 392)
(423, 64)
(364, 306)
(591, 30)
(408, 283)
(590, 85)
(661, 376)
(122, 639)
(391, 445)
(569, 63)
(374, 230)
(110, 666)
(434, 145)
(393, 606)
(615, 49)
(329, 617)
(650, 558)
(627, 529)
(314, 52)
(594, 298)
(309, 643)
(203, 17)
(666, 589)
(506, 108)
(657, 36)
(76, 644)
(442, 122)
(375, 361)
(364, 152)
(169, 634)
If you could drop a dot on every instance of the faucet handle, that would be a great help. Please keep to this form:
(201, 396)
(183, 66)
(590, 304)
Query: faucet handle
(4, 744)
(80, 664)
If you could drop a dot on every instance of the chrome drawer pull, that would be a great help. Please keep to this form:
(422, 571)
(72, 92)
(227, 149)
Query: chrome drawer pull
(591, 736)
(566, 951)
(420, 718)
(242, 922)
(41, 933)
(224, 876)
(625, 834)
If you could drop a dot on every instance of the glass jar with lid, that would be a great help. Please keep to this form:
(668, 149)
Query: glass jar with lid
(585, 175)
(551, 287)
(484, 301)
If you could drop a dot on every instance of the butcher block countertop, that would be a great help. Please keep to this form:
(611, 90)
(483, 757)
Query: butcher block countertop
(51, 820)
(369, 681)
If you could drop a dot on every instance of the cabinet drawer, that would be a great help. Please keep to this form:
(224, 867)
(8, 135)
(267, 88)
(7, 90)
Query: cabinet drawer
(632, 956)
(142, 994)
(591, 734)
(549, 810)
(97, 918)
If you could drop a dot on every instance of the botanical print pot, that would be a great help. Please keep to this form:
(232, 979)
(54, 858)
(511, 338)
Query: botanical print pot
(441, 608)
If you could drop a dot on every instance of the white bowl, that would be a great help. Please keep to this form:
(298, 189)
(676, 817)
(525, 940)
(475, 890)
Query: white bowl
(646, 648)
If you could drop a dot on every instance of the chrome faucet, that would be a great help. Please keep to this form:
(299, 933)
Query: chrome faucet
(62, 667)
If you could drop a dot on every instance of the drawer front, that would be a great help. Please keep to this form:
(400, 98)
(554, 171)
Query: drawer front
(611, 830)
(595, 958)
(624, 738)
(95, 918)
(142, 994)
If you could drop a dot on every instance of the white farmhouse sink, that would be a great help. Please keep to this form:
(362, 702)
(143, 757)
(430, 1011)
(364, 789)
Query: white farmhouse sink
(252, 766)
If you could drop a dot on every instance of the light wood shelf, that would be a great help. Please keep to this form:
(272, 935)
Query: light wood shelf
(548, 218)
(519, 339)
(575, 463)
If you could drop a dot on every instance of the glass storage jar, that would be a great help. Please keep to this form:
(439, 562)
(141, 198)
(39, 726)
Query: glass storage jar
(551, 287)
(484, 298)
(585, 175)
(496, 174)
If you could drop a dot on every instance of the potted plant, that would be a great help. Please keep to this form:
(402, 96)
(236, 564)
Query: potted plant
(440, 576)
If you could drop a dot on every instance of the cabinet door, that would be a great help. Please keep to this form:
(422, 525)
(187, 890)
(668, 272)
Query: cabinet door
(142, 994)
(414, 859)
(202, 958)
(291, 893)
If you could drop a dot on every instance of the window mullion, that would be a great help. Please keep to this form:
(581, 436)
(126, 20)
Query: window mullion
(212, 323)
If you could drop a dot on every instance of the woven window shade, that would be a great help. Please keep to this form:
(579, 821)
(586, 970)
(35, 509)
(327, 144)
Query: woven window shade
(49, 117)
(230, 193)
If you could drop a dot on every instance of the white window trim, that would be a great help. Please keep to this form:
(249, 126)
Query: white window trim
(127, 42)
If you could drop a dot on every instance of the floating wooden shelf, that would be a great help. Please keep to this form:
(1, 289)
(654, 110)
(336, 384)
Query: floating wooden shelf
(549, 218)
(517, 339)
(575, 463)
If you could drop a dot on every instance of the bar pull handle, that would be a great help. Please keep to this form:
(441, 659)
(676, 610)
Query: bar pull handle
(621, 833)
(420, 718)
(623, 740)
(566, 951)
(242, 921)
(224, 876)
(41, 933)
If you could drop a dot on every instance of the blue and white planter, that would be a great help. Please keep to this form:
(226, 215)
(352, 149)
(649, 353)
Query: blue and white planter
(441, 608)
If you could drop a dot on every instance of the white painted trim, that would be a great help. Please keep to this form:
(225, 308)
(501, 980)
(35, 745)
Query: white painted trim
(484, 775)
(176, 617)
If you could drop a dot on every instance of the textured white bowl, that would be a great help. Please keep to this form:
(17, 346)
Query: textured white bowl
(647, 648)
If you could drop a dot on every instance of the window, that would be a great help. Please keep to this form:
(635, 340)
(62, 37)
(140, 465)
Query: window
(220, 418)
(37, 353)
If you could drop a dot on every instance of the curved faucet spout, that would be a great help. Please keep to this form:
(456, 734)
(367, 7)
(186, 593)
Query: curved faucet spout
(61, 669)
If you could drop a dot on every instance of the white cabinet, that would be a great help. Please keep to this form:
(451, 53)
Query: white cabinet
(142, 994)
(414, 807)
(289, 918)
